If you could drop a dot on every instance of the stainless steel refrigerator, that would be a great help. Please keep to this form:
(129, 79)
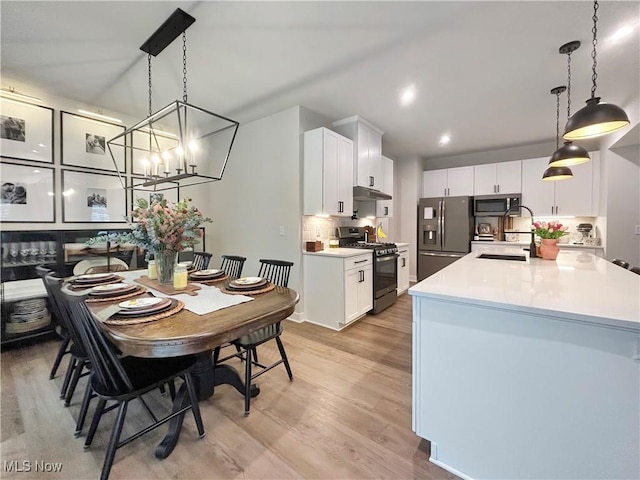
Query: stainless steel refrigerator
(445, 230)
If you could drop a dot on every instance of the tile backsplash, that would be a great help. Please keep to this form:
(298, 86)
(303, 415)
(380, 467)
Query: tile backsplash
(322, 228)
(523, 224)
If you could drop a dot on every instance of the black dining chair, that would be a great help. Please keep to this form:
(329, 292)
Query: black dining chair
(201, 260)
(620, 263)
(232, 265)
(123, 379)
(277, 272)
(65, 337)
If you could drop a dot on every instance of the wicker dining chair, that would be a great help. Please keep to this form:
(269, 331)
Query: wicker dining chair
(277, 272)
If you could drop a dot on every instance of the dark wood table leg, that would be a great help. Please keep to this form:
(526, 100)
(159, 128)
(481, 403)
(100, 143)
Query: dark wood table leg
(205, 377)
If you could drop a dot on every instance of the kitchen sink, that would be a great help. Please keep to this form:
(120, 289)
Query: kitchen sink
(499, 256)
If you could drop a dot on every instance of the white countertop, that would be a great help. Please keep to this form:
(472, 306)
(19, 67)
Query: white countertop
(526, 244)
(577, 286)
(400, 245)
(340, 252)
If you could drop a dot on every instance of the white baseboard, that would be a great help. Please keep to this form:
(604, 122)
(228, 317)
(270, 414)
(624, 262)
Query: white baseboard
(296, 317)
(413, 278)
(433, 458)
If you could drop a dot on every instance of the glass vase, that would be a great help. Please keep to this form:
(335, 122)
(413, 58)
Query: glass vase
(165, 263)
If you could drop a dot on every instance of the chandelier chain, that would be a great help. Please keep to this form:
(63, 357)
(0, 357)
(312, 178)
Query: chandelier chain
(557, 120)
(594, 30)
(149, 71)
(184, 66)
(569, 85)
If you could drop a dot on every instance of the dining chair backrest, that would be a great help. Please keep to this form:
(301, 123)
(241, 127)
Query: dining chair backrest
(105, 364)
(635, 270)
(276, 271)
(60, 306)
(201, 260)
(620, 263)
(232, 265)
(99, 265)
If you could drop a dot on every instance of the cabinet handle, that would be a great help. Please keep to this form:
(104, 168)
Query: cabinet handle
(498, 188)
(371, 181)
(360, 261)
(494, 189)
(340, 206)
(404, 262)
(386, 210)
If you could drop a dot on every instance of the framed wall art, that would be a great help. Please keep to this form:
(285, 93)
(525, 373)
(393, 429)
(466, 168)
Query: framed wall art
(84, 143)
(92, 197)
(26, 131)
(27, 194)
(149, 194)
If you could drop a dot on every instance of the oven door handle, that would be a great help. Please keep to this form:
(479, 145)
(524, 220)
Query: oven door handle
(387, 258)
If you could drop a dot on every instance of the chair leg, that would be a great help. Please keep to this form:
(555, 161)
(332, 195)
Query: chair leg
(113, 442)
(255, 355)
(172, 389)
(247, 383)
(239, 350)
(73, 361)
(62, 351)
(97, 415)
(195, 407)
(283, 354)
(216, 355)
(74, 382)
(163, 391)
(84, 408)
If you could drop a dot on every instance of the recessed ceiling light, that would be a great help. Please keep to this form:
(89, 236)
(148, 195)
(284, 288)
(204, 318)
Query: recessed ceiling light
(408, 95)
(36, 171)
(444, 140)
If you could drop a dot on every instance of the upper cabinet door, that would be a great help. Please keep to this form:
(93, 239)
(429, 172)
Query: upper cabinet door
(484, 179)
(384, 208)
(509, 177)
(459, 181)
(574, 196)
(375, 160)
(362, 166)
(345, 176)
(434, 183)
(537, 194)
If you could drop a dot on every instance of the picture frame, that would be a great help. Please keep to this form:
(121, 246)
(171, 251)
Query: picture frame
(92, 198)
(140, 149)
(27, 194)
(26, 131)
(172, 195)
(83, 143)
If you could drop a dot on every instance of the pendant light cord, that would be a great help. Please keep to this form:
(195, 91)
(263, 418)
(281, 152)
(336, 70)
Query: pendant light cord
(594, 30)
(184, 66)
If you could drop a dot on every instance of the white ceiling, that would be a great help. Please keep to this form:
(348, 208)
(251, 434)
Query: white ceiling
(483, 70)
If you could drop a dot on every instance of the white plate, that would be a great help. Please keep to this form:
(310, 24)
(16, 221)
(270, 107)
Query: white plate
(204, 273)
(110, 287)
(248, 280)
(95, 276)
(185, 264)
(140, 302)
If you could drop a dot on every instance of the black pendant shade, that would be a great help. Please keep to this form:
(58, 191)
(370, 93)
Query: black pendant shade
(595, 119)
(569, 154)
(552, 174)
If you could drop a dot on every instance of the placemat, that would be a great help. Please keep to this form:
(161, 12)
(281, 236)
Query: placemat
(151, 318)
(212, 281)
(134, 293)
(74, 286)
(265, 289)
(167, 289)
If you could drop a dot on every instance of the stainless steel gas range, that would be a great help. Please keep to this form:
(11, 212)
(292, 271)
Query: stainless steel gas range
(385, 265)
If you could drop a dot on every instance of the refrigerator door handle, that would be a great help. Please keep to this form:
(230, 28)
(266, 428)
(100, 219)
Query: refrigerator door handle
(442, 213)
(439, 223)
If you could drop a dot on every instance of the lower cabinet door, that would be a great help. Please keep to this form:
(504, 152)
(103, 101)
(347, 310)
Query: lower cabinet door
(365, 290)
(352, 287)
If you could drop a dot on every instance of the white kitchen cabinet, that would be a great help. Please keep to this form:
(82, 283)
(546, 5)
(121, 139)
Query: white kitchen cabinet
(367, 141)
(447, 182)
(384, 208)
(328, 173)
(577, 196)
(337, 290)
(497, 178)
(403, 270)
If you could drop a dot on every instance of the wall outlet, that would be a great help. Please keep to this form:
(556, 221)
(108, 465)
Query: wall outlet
(282, 230)
(637, 229)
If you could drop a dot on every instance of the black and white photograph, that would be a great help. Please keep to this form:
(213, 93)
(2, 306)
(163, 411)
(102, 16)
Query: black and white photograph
(96, 197)
(92, 197)
(27, 194)
(156, 197)
(26, 131)
(84, 143)
(150, 195)
(13, 128)
(95, 144)
(15, 193)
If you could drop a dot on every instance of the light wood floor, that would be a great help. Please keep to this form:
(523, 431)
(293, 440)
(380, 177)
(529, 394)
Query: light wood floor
(346, 415)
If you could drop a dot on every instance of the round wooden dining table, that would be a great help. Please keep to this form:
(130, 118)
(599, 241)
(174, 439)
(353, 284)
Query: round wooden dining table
(186, 333)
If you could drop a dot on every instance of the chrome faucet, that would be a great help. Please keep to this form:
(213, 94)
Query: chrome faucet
(532, 245)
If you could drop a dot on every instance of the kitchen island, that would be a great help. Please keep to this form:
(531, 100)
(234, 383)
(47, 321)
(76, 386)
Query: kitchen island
(529, 369)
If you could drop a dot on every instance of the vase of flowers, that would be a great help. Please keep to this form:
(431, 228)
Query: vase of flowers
(549, 234)
(163, 230)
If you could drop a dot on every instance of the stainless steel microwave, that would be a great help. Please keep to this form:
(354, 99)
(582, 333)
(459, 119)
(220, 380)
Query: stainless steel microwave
(495, 205)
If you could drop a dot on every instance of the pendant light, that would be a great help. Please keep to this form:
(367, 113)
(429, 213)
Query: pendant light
(595, 119)
(181, 144)
(557, 173)
(569, 154)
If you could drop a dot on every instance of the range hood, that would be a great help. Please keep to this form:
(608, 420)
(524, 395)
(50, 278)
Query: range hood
(367, 194)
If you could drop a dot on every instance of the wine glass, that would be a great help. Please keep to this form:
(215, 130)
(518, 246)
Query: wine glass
(51, 249)
(25, 250)
(14, 250)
